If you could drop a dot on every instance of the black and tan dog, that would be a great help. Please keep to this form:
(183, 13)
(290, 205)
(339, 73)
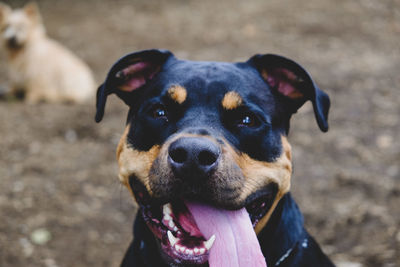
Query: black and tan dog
(206, 156)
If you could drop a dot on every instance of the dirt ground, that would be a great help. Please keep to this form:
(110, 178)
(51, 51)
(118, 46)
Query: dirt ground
(60, 201)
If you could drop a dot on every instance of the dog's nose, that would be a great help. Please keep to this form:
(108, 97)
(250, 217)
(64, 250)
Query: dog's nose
(193, 157)
(12, 42)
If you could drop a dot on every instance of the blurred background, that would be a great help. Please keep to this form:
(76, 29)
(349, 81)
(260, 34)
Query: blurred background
(60, 200)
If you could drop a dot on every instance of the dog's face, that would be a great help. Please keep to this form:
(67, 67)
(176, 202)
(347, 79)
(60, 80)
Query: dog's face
(206, 132)
(18, 26)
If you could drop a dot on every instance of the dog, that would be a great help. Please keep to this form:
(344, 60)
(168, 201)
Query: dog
(206, 156)
(40, 68)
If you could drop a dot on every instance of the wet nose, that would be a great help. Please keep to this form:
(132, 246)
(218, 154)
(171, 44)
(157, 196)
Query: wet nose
(193, 157)
(12, 42)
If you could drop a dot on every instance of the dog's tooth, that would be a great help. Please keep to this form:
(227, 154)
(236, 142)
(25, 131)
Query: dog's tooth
(208, 244)
(172, 239)
(182, 249)
(176, 229)
(196, 250)
(189, 251)
(202, 250)
(167, 209)
(167, 217)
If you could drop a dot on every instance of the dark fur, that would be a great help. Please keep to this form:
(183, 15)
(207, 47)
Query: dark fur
(284, 241)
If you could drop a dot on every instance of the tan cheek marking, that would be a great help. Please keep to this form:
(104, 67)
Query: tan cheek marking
(259, 174)
(231, 100)
(285, 184)
(133, 162)
(177, 93)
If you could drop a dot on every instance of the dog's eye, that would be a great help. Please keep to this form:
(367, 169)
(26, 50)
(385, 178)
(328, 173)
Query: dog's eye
(247, 120)
(159, 111)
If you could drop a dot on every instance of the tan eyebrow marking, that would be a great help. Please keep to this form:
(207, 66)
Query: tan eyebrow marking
(231, 100)
(177, 93)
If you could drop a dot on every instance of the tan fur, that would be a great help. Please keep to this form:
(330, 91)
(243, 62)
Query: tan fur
(258, 174)
(133, 162)
(177, 93)
(5, 10)
(279, 172)
(231, 100)
(45, 69)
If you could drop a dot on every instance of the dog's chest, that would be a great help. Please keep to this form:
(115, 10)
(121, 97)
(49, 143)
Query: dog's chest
(24, 65)
(18, 67)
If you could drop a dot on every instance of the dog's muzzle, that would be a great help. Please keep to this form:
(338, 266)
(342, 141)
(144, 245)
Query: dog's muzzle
(13, 43)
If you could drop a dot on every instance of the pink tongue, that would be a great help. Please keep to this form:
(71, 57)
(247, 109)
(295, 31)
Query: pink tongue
(236, 243)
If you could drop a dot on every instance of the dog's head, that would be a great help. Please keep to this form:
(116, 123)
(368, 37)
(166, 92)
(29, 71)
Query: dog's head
(18, 26)
(206, 137)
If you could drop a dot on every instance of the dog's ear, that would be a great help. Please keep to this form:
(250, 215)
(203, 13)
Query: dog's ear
(31, 9)
(5, 10)
(129, 74)
(290, 80)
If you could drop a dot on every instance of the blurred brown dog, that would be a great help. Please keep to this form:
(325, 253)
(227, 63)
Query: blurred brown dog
(40, 67)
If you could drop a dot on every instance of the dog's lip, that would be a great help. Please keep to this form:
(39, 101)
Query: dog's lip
(259, 203)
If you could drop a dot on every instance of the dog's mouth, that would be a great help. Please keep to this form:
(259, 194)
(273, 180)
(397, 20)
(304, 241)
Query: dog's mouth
(177, 232)
(189, 232)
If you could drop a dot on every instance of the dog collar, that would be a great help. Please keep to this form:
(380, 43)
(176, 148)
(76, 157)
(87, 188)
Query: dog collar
(304, 244)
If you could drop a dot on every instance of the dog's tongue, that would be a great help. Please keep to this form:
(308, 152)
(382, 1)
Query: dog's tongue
(236, 243)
